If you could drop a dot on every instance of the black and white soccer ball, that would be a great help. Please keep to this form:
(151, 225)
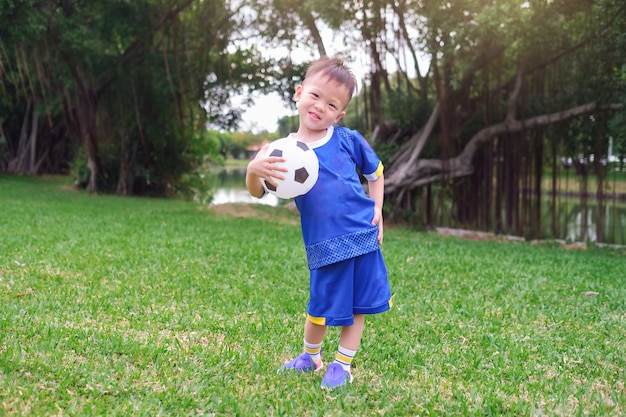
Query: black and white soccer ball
(302, 165)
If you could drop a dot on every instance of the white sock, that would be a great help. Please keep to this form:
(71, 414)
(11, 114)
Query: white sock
(344, 357)
(314, 351)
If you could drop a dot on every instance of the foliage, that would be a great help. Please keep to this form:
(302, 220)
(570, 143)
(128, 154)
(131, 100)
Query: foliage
(404, 108)
(139, 79)
(241, 140)
(122, 91)
(159, 307)
(287, 124)
(617, 121)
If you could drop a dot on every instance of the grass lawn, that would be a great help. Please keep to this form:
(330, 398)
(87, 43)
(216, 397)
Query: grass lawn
(569, 182)
(143, 307)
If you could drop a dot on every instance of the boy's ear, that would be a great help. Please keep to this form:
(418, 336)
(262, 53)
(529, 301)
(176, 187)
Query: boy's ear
(298, 93)
(340, 116)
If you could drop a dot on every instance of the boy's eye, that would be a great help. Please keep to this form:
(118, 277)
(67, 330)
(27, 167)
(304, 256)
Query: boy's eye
(333, 106)
(315, 95)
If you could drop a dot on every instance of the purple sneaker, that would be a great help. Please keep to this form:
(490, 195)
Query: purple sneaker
(336, 376)
(302, 363)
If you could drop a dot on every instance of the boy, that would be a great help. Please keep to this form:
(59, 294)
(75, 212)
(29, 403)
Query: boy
(342, 227)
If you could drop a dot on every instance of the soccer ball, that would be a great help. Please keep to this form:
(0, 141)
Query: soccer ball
(302, 165)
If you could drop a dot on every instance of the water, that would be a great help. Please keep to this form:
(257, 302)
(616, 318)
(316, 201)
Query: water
(229, 195)
(231, 188)
(614, 230)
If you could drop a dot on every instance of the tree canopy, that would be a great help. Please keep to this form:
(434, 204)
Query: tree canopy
(511, 87)
(123, 88)
(455, 93)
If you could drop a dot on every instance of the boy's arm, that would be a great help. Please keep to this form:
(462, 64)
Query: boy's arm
(253, 184)
(377, 193)
(262, 167)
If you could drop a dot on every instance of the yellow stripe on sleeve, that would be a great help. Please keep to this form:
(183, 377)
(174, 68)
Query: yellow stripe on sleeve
(376, 174)
(380, 169)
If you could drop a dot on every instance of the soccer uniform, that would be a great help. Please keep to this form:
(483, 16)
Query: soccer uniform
(348, 273)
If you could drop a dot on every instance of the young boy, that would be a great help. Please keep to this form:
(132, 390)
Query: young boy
(342, 227)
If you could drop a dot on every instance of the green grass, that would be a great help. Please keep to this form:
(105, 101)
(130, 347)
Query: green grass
(126, 306)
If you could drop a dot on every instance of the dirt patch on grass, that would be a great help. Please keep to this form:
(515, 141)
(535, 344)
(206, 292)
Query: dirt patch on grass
(237, 210)
(286, 214)
(477, 235)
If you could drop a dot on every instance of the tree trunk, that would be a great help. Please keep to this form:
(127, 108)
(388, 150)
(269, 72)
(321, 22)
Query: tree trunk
(24, 160)
(408, 172)
(124, 172)
(86, 112)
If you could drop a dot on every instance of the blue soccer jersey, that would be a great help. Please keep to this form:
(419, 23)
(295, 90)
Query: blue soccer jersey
(348, 274)
(336, 214)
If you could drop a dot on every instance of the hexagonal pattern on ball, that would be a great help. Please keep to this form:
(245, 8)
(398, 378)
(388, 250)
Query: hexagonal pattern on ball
(300, 175)
(302, 168)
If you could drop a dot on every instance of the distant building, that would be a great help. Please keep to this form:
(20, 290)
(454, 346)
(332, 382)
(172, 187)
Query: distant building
(252, 150)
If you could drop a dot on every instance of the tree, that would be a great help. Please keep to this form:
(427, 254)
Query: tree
(505, 78)
(125, 85)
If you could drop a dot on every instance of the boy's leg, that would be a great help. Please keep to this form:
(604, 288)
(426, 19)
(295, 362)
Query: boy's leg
(311, 359)
(351, 335)
(314, 333)
(313, 338)
(338, 373)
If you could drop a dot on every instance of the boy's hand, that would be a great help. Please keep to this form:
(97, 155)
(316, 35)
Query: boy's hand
(263, 167)
(378, 220)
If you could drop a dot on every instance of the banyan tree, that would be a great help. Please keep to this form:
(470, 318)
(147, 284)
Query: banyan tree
(492, 115)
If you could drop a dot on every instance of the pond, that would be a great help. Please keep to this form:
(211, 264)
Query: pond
(614, 231)
(230, 187)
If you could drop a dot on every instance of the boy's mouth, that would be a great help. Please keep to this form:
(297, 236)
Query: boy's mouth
(314, 116)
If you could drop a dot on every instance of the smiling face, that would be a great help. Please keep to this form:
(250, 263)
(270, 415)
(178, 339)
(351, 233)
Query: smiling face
(321, 103)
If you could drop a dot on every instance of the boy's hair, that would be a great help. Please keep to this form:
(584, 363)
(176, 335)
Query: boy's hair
(336, 71)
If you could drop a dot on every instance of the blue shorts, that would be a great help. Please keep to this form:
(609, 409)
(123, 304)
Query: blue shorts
(354, 286)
